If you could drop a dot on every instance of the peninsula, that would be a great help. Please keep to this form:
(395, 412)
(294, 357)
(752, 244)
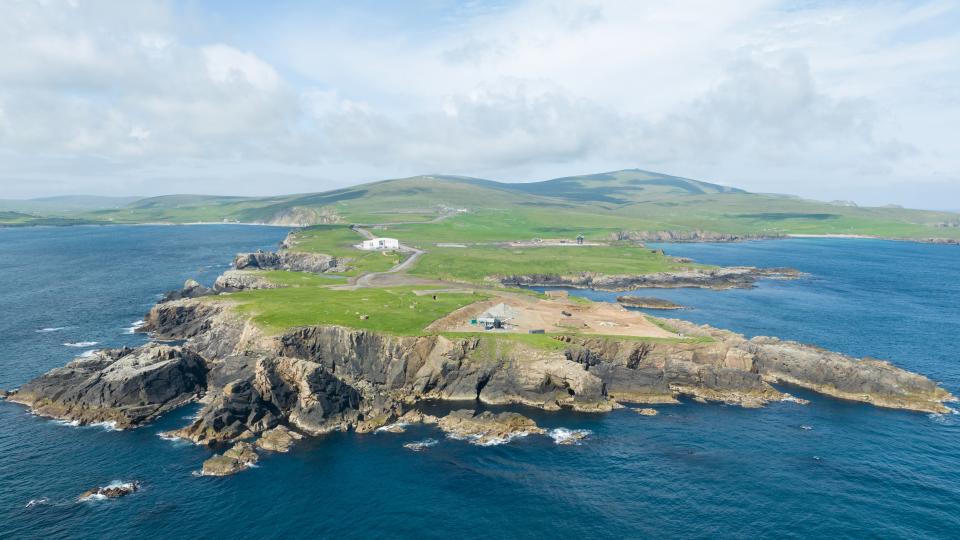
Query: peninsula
(330, 333)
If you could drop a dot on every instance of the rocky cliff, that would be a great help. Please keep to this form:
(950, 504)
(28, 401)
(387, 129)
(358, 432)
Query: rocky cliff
(286, 260)
(738, 277)
(313, 380)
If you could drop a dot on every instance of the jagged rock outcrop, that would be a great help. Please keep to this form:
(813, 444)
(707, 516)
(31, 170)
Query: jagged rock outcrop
(296, 261)
(126, 387)
(647, 302)
(487, 428)
(112, 491)
(240, 280)
(688, 236)
(278, 439)
(191, 289)
(737, 277)
(241, 456)
(262, 391)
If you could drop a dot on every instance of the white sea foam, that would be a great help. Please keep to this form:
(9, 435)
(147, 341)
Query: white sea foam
(494, 441)
(421, 445)
(88, 354)
(568, 436)
(69, 423)
(107, 426)
(37, 502)
(396, 427)
(81, 344)
(51, 329)
(806, 427)
(130, 486)
(132, 329)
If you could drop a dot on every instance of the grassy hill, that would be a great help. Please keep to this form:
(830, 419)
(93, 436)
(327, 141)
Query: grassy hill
(599, 205)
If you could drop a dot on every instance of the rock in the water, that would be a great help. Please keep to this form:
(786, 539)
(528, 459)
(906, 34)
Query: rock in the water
(234, 460)
(646, 412)
(125, 387)
(111, 491)
(278, 439)
(487, 428)
(564, 436)
(647, 302)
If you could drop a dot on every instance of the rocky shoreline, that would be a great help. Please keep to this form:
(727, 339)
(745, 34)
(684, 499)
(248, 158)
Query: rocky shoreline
(735, 277)
(263, 393)
(647, 302)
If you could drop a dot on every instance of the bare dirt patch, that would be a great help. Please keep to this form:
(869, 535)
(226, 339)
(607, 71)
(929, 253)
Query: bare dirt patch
(553, 316)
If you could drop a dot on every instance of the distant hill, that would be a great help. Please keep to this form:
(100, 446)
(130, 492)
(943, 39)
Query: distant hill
(64, 204)
(599, 205)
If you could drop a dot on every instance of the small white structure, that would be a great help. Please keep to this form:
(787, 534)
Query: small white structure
(380, 244)
(497, 315)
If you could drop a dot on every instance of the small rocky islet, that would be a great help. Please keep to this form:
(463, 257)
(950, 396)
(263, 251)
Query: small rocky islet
(262, 393)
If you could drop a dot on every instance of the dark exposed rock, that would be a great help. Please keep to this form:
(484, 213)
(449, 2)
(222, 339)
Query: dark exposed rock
(647, 302)
(111, 491)
(688, 236)
(286, 260)
(241, 456)
(191, 289)
(487, 428)
(123, 386)
(240, 280)
(717, 278)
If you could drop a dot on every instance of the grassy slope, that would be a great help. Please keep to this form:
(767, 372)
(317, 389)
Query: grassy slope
(338, 241)
(596, 205)
(395, 311)
(477, 263)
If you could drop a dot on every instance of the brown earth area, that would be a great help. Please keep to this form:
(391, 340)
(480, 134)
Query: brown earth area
(554, 316)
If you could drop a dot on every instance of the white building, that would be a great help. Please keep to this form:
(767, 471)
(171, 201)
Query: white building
(380, 244)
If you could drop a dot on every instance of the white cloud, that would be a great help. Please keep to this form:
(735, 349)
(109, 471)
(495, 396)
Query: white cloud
(819, 99)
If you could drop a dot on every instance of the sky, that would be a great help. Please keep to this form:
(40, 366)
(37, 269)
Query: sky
(836, 100)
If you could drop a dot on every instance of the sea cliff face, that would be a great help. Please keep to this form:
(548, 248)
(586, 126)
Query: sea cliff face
(736, 277)
(314, 380)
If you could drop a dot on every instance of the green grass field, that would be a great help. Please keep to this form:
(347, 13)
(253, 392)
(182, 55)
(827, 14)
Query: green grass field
(395, 311)
(339, 241)
(476, 264)
(596, 205)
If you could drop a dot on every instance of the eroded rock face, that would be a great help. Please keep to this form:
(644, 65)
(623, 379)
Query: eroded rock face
(738, 277)
(286, 260)
(240, 457)
(191, 289)
(688, 236)
(487, 428)
(647, 302)
(240, 280)
(126, 387)
(278, 439)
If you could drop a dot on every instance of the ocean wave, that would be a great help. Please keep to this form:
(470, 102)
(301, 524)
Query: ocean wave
(132, 329)
(568, 436)
(88, 354)
(81, 344)
(68, 423)
(493, 441)
(37, 502)
(107, 426)
(805, 427)
(51, 329)
(129, 487)
(421, 445)
(396, 427)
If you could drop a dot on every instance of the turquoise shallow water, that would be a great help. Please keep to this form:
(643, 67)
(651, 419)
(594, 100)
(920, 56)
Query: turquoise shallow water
(694, 471)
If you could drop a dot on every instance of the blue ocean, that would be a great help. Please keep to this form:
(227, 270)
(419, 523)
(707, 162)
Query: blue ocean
(828, 469)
